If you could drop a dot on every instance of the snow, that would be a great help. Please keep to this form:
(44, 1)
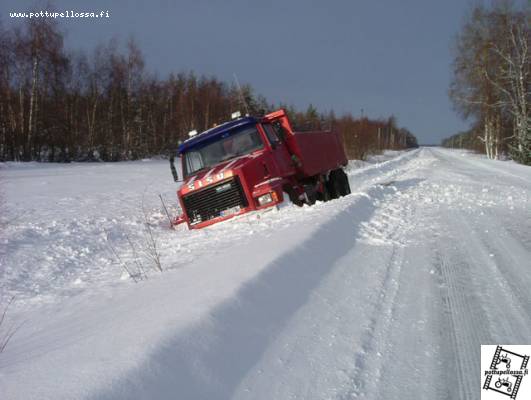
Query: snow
(386, 155)
(387, 291)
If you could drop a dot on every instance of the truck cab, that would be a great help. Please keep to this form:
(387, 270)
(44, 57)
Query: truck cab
(242, 165)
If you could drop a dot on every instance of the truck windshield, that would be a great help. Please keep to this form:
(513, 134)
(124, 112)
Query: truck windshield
(243, 142)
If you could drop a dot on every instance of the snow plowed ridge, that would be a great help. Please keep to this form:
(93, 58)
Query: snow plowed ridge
(384, 294)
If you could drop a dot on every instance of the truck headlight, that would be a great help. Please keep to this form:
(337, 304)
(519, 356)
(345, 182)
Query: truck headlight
(265, 199)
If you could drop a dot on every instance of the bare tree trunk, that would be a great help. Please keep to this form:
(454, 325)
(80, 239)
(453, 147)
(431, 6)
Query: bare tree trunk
(33, 99)
(207, 115)
(520, 79)
(22, 140)
(128, 113)
(487, 136)
(497, 137)
(12, 124)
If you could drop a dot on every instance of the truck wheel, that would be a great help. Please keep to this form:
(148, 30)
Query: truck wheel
(332, 186)
(345, 185)
(325, 194)
(294, 198)
(312, 198)
(338, 184)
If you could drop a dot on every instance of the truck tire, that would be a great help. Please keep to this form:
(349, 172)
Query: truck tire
(333, 185)
(325, 194)
(293, 197)
(345, 185)
(312, 198)
(338, 184)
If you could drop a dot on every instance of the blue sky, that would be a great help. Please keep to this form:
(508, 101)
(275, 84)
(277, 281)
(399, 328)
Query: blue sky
(385, 57)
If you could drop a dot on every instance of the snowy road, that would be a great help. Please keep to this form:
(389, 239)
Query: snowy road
(384, 294)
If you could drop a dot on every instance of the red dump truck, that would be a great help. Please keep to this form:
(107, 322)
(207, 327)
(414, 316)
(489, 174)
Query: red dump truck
(252, 163)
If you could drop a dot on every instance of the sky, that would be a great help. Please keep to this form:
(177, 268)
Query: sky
(376, 57)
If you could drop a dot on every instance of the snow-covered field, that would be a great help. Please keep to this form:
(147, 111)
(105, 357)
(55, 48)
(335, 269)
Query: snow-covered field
(384, 294)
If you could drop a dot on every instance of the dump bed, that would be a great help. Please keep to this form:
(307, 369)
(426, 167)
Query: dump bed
(318, 151)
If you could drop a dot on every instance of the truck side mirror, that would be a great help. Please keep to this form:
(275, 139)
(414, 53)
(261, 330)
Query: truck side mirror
(173, 170)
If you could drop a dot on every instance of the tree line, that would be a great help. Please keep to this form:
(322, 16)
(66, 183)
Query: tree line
(491, 83)
(58, 105)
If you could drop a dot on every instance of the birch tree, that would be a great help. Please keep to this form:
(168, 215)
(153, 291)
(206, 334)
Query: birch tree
(491, 79)
(512, 77)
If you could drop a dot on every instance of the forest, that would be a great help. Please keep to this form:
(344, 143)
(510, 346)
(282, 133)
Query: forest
(61, 105)
(491, 83)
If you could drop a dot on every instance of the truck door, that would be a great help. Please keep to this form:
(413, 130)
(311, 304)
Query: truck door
(281, 154)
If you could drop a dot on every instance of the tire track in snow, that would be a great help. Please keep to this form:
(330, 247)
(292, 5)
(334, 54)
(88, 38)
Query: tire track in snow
(469, 287)
(389, 226)
(466, 323)
(504, 257)
(393, 216)
(459, 262)
(368, 369)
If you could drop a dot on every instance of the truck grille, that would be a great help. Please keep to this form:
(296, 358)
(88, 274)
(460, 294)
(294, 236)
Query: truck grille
(214, 201)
